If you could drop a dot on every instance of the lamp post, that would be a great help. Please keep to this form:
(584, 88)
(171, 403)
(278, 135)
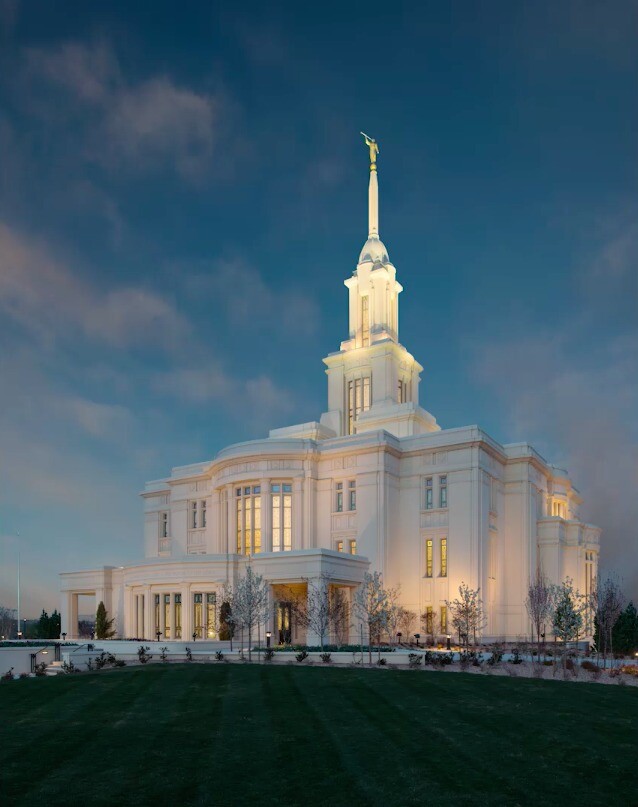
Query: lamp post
(33, 656)
(268, 635)
(448, 637)
(158, 633)
(417, 636)
(399, 636)
(194, 635)
(64, 637)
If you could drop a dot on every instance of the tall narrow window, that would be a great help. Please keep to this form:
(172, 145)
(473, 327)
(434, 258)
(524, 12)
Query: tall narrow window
(163, 525)
(429, 620)
(339, 546)
(178, 616)
(493, 494)
(281, 502)
(403, 391)
(248, 513)
(352, 495)
(429, 493)
(429, 557)
(358, 399)
(194, 515)
(157, 613)
(365, 322)
(443, 557)
(353, 546)
(167, 616)
(198, 614)
(202, 513)
(443, 491)
(339, 498)
(443, 619)
(211, 606)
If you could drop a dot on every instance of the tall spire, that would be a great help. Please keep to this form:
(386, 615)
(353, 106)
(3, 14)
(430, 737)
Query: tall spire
(373, 188)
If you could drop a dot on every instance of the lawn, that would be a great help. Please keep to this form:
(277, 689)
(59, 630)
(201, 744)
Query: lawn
(286, 735)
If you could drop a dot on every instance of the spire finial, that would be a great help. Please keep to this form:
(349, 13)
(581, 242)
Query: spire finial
(373, 189)
(372, 144)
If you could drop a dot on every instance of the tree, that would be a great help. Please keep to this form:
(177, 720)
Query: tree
(466, 613)
(371, 606)
(394, 612)
(103, 625)
(567, 618)
(48, 627)
(406, 621)
(322, 608)
(7, 622)
(250, 603)
(431, 624)
(625, 631)
(606, 603)
(539, 604)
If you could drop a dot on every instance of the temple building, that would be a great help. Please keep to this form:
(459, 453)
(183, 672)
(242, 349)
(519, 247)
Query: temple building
(374, 485)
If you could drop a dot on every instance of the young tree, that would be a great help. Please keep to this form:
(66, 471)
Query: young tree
(625, 631)
(431, 624)
(7, 622)
(340, 615)
(371, 606)
(539, 604)
(567, 618)
(466, 614)
(103, 625)
(226, 626)
(250, 603)
(606, 604)
(406, 621)
(394, 612)
(321, 609)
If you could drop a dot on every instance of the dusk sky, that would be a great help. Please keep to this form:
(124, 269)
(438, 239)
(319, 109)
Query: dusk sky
(183, 191)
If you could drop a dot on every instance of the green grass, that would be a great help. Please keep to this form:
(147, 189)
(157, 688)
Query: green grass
(285, 735)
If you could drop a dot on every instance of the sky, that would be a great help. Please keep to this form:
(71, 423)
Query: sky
(183, 192)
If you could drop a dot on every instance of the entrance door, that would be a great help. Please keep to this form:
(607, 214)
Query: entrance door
(284, 622)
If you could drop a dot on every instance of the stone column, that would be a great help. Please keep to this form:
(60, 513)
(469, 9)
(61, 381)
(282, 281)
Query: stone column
(162, 610)
(187, 612)
(149, 604)
(231, 521)
(266, 516)
(140, 617)
(297, 512)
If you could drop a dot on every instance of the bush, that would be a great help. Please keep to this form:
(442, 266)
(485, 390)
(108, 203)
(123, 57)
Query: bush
(382, 662)
(8, 676)
(302, 656)
(164, 654)
(496, 657)
(414, 660)
(119, 662)
(589, 666)
(268, 654)
(630, 669)
(189, 654)
(516, 653)
(219, 656)
(41, 669)
(143, 655)
(326, 658)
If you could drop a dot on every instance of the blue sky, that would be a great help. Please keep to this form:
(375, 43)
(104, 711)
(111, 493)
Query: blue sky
(183, 192)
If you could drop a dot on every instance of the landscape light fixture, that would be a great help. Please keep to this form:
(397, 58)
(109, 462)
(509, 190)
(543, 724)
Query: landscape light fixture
(194, 635)
(64, 637)
(448, 637)
(417, 636)
(268, 635)
(158, 633)
(399, 636)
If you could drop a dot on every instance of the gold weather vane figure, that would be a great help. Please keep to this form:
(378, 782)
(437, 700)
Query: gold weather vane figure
(372, 144)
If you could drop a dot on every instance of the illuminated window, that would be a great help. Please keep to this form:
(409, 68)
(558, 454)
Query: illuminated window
(157, 613)
(281, 504)
(443, 491)
(353, 547)
(248, 515)
(198, 621)
(339, 546)
(167, 616)
(402, 394)
(443, 619)
(429, 494)
(365, 322)
(163, 525)
(178, 616)
(443, 557)
(429, 559)
(352, 495)
(211, 614)
(559, 509)
(339, 498)
(358, 392)
(429, 619)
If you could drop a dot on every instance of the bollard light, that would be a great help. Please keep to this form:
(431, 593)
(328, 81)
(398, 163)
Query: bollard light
(448, 637)
(417, 636)
(268, 635)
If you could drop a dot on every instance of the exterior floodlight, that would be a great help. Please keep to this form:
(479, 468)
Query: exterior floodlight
(268, 635)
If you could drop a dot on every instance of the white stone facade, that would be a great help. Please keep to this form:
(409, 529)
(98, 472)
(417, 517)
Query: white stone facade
(374, 485)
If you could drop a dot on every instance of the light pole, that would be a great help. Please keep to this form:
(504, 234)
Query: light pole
(448, 637)
(268, 635)
(417, 636)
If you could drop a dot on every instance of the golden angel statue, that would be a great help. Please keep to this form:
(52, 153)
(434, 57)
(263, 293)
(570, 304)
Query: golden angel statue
(372, 144)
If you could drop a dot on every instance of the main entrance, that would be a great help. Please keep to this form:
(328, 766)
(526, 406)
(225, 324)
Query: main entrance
(283, 620)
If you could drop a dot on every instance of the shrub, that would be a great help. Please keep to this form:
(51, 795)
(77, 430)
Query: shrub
(302, 656)
(219, 656)
(24, 675)
(516, 653)
(164, 654)
(382, 662)
(589, 666)
(496, 657)
(119, 662)
(40, 669)
(189, 654)
(268, 654)
(8, 676)
(68, 667)
(326, 658)
(630, 669)
(143, 655)
(414, 660)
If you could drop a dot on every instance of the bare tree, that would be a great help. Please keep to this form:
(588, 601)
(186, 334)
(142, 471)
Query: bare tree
(371, 606)
(321, 609)
(7, 622)
(394, 612)
(567, 617)
(539, 604)
(340, 615)
(466, 613)
(605, 604)
(431, 625)
(406, 621)
(250, 603)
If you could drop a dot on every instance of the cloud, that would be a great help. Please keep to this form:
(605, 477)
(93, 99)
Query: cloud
(49, 300)
(142, 125)
(249, 300)
(580, 407)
